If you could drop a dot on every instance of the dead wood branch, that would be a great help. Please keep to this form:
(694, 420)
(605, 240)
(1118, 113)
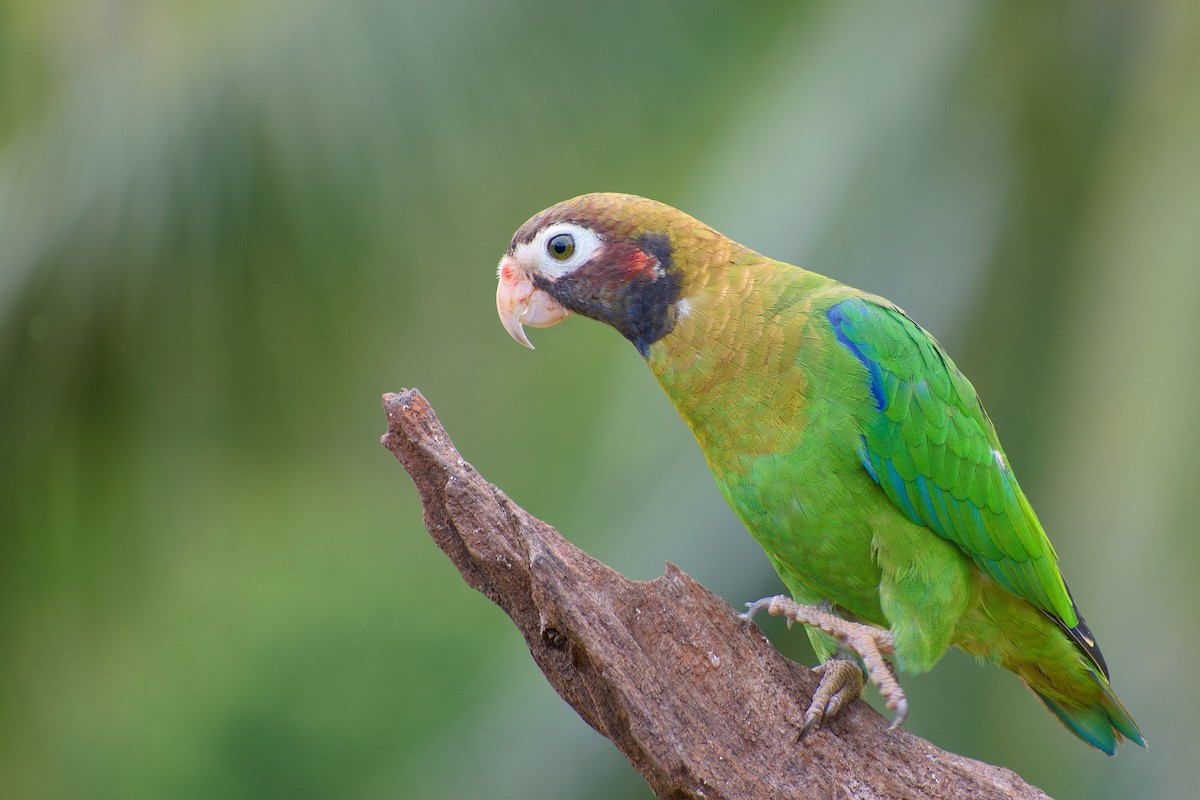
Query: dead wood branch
(700, 703)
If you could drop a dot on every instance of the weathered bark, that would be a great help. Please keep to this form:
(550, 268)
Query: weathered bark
(699, 702)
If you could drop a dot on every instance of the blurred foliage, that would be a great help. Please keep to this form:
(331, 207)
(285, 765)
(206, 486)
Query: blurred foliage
(226, 228)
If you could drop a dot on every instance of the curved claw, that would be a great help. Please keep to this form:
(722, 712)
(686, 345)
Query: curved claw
(901, 710)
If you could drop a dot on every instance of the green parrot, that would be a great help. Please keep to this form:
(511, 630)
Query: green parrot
(845, 440)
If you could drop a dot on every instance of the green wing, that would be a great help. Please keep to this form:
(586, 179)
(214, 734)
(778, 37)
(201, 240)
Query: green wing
(932, 449)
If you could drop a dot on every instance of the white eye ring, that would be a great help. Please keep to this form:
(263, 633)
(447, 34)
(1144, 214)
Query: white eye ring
(587, 243)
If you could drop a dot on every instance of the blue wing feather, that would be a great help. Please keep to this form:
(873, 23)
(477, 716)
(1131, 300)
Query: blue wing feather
(929, 445)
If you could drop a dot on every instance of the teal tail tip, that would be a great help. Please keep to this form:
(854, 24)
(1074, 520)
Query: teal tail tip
(1102, 725)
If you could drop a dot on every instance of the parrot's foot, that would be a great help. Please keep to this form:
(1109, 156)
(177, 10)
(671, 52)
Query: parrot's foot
(866, 641)
(842, 680)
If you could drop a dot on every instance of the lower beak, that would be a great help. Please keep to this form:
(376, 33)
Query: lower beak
(520, 304)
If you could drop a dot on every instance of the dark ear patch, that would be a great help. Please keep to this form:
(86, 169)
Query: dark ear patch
(659, 246)
(651, 311)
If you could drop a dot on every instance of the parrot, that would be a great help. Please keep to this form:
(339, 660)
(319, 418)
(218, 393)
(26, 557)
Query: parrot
(847, 443)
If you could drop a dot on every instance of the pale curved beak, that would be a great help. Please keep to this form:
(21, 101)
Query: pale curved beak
(519, 303)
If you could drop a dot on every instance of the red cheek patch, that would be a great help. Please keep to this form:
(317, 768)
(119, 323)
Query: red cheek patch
(621, 263)
(639, 263)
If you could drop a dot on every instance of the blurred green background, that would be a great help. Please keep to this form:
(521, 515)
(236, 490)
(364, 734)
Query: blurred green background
(227, 228)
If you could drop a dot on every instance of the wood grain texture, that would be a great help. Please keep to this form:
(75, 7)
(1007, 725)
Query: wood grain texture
(700, 703)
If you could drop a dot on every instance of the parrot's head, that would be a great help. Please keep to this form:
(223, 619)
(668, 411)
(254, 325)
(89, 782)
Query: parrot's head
(616, 258)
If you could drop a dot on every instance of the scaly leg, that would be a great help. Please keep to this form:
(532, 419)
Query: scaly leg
(866, 641)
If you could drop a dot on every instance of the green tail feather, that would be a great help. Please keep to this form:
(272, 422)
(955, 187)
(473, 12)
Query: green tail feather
(1101, 725)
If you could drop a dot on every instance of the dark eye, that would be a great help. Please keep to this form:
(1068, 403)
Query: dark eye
(561, 246)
